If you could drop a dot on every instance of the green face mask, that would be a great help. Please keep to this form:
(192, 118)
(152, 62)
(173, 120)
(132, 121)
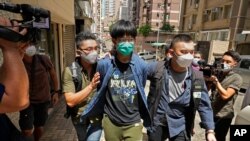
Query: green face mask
(125, 48)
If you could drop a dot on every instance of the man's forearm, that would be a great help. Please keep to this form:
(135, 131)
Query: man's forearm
(14, 78)
(73, 99)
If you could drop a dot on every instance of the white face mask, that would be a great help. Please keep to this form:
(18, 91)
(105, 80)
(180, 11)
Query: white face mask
(195, 61)
(31, 50)
(226, 67)
(91, 57)
(184, 60)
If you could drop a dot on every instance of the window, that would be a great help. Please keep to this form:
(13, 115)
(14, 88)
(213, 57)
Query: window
(216, 13)
(214, 35)
(245, 64)
(158, 15)
(167, 16)
(227, 11)
(204, 36)
(157, 24)
(159, 5)
(194, 19)
(224, 36)
(206, 15)
(191, 2)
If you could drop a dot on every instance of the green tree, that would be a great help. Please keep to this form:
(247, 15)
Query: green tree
(167, 27)
(145, 30)
(111, 25)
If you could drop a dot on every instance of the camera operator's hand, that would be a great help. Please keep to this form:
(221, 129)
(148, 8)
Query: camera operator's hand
(214, 79)
(207, 78)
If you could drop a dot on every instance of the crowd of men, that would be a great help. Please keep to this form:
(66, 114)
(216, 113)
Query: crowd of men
(107, 94)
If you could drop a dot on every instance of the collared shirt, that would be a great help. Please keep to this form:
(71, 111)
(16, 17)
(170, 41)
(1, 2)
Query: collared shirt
(39, 90)
(69, 86)
(224, 108)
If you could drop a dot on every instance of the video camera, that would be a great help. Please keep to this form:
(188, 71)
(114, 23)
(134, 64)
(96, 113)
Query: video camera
(34, 19)
(209, 70)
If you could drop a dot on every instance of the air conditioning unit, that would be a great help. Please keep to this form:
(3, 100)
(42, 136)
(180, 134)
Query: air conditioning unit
(189, 26)
(196, 5)
(214, 10)
(205, 12)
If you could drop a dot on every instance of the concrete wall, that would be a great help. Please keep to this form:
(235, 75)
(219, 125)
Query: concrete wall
(217, 48)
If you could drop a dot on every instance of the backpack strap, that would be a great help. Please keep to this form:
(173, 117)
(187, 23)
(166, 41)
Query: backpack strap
(160, 69)
(156, 87)
(76, 71)
(197, 86)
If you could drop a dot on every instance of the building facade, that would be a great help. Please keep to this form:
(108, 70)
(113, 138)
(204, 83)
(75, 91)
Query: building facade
(67, 17)
(156, 13)
(54, 42)
(210, 20)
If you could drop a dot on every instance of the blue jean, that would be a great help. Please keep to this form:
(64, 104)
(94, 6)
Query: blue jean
(162, 133)
(88, 132)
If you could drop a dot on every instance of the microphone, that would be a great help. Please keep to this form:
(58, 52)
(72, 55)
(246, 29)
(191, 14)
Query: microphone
(202, 62)
(25, 9)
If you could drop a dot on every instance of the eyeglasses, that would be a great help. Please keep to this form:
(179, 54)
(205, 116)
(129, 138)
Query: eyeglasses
(88, 49)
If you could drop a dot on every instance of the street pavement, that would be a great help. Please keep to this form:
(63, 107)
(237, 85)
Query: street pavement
(58, 128)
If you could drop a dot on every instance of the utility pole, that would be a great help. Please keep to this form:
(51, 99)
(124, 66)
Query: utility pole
(100, 34)
(158, 32)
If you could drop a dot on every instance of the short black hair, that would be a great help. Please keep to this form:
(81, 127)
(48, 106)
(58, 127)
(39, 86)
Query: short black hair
(198, 52)
(86, 35)
(181, 38)
(121, 28)
(166, 48)
(235, 55)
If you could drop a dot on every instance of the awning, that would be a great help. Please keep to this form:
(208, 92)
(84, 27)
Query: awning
(62, 11)
(245, 32)
(159, 44)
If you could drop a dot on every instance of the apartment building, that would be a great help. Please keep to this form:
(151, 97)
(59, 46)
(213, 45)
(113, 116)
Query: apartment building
(158, 12)
(124, 11)
(209, 20)
(243, 36)
(135, 13)
(109, 14)
(96, 26)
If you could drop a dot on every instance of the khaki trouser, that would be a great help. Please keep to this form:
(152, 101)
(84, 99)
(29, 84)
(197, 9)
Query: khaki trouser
(121, 133)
